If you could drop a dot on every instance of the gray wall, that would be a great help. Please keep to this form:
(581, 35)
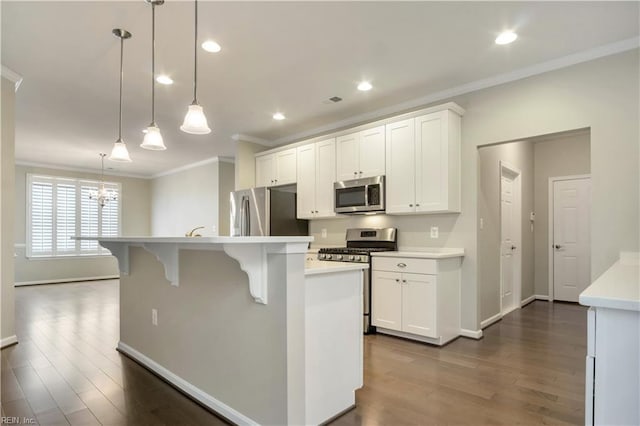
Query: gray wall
(190, 198)
(601, 95)
(519, 155)
(245, 172)
(7, 200)
(135, 216)
(559, 156)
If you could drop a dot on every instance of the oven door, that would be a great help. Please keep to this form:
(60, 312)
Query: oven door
(359, 195)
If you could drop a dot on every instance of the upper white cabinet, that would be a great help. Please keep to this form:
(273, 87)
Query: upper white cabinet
(423, 164)
(276, 169)
(361, 154)
(315, 176)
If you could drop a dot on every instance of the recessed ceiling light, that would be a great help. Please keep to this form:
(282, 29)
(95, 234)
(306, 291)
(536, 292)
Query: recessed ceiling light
(164, 79)
(506, 37)
(211, 46)
(364, 86)
(279, 116)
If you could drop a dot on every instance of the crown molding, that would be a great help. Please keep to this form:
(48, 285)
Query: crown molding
(12, 76)
(77, 169)
(194, 165)
(252, 139)
(497, 80)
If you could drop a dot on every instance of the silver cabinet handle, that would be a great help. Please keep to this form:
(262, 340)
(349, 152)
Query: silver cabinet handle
(360, 172)
(410, 205)
(316, 211)
(417, 205)
(397, 280)
(402, 265)
(355, 173)
(404, 281)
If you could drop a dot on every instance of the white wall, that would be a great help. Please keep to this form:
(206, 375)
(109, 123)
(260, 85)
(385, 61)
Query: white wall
(135, 221)
(601, 95)
(560, 156)
(189, 198)
(7, 156)
(245, 172)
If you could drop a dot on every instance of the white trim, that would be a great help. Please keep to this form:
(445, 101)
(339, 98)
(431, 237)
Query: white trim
(472, 334)
(246, 138)
(541, 297)
(528, 300)
(8, 341)
(555, 64)
(517, 256)
(77, 169)
(186, 387)
(66, 280)
(12, 76)
(550, 241)
(186, 167)
(491, 320)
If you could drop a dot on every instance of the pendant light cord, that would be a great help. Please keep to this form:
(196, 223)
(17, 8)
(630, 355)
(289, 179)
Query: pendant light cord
(153, 64)
(121, 78)
(102, 167)
(195, 57)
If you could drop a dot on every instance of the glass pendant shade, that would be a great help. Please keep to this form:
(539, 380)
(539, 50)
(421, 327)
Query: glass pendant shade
(153, 139)
(195, 122)
(120, 152)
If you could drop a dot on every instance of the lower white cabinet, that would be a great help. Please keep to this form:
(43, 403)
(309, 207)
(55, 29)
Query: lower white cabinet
(416, 298)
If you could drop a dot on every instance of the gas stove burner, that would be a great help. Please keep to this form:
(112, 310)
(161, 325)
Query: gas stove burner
(360, 243)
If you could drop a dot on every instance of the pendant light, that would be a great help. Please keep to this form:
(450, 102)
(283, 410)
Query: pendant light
(102, 195)
(195, 122)
(152, 138)
(119, 151)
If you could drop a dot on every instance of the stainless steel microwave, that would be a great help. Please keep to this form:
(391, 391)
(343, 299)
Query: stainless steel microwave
(360, 196)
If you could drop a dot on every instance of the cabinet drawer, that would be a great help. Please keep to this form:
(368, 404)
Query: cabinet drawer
(405, 264)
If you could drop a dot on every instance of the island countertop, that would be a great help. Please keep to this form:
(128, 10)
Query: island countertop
(199, 240)
(618, 287)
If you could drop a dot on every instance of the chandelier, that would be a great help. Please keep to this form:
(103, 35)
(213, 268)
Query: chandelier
(102, 195)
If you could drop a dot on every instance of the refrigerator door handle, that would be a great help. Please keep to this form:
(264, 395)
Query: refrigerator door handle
(245, 219)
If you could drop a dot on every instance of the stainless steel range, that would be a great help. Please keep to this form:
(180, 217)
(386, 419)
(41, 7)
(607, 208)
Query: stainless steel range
(360, 243)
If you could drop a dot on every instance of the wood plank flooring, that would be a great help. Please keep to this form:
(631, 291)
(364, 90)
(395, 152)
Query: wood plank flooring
(528, 369)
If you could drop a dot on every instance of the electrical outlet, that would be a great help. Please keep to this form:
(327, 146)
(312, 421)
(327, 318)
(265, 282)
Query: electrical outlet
(154, 316)
(324, 232)
(481, 223)
(434, 232)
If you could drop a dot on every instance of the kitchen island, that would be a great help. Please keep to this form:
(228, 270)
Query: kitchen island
(244, 325)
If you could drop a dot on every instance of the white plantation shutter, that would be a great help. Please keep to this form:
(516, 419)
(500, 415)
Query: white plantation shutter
(60, 208)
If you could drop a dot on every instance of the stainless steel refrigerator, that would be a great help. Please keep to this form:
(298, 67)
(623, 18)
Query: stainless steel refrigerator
(266, 211)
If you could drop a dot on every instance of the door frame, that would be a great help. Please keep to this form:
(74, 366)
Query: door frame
(550, 224)
(517, 256)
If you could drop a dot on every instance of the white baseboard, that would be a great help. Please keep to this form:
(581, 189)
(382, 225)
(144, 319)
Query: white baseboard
(486, 323)
(8, 341)
(541, 297)
(67, 280)
(528, 300)
(186, 387)
(473, 334)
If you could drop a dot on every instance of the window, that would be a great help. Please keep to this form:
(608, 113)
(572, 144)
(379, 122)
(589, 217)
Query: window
(59, 208)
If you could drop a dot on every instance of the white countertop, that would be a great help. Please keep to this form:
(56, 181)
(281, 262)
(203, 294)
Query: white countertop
(200, 240)
(314, 267)
(617, 288)
(427, 253)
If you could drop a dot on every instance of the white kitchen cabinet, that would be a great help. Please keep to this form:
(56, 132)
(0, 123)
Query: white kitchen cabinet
(361, 154)
(316, 170)
(278, 168)
(416, 298)
(423, 164)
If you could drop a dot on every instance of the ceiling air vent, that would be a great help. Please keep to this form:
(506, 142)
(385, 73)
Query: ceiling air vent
(335, 99)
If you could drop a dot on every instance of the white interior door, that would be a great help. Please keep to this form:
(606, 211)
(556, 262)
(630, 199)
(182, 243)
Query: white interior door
(509, 240)
(571, 238)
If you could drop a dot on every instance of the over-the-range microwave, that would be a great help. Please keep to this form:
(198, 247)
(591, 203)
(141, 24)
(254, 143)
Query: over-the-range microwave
(360, 196)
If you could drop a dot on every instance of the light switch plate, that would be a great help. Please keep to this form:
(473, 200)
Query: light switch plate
(324, 232)
(434, 232)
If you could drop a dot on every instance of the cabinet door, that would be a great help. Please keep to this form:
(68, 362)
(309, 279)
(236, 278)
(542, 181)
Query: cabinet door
(325, 169)
(265, 170)
(348, 156)
(432, 160)
(386, 300)
(419, 304)
(306, 180)
(400, 165)
(372, 153)
(286, 167)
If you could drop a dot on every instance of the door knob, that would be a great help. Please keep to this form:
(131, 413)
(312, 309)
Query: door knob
(513, 247)
(558, 246)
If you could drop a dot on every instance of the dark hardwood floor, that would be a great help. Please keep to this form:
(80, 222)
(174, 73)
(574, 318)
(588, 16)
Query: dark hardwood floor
(528, 369)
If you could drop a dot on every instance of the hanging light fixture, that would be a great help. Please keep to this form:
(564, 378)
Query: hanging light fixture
(195, 122)
(119, 151)
(102, 195)
(152, 138)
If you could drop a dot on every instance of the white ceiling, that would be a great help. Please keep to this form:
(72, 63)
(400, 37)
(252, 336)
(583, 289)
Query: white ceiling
(276, 56)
